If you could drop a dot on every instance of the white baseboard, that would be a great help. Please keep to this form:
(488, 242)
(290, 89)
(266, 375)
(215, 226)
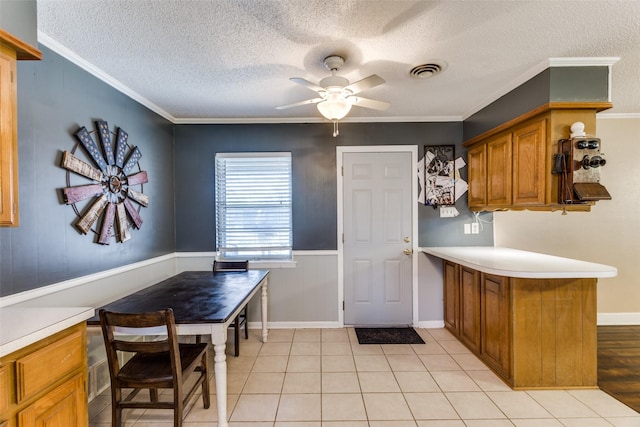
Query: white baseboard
(426, 324)
(430, 324)
(618, 319)
(295, 325)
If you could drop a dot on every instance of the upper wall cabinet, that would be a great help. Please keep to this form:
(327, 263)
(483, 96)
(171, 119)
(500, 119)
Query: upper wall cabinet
(510, 166)
(12, 49)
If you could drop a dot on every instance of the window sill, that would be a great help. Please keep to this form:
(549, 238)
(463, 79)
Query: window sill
(272, 264)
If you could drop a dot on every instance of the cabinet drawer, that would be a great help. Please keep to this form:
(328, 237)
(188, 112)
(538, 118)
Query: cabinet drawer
(49, 364)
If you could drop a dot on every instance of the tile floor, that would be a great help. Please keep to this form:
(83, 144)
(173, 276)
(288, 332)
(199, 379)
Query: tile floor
(323, 377)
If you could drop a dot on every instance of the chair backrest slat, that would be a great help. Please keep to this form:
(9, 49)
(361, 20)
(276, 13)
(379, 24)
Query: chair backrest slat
(230, 265)
(141, 346)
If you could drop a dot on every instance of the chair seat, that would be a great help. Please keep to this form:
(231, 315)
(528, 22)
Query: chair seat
(147, 368)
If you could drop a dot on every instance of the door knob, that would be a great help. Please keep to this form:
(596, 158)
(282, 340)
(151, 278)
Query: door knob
(408, 251)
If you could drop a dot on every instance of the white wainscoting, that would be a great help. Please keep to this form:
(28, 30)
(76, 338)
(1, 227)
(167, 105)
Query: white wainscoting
(302, 294)
(95, 290)
(302, 297)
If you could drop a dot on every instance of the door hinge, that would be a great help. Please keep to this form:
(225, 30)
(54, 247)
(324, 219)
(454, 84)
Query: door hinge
(342, 305)
(342, 171)
(11, 76)
(342, 237)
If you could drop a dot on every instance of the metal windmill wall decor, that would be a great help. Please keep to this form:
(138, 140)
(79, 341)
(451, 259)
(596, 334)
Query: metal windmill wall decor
(111, 211)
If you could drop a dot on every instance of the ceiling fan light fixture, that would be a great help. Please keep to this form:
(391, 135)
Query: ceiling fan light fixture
(335, 107)
(336, 93)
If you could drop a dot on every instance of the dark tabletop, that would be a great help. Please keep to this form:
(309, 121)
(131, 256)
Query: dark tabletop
(194, 296)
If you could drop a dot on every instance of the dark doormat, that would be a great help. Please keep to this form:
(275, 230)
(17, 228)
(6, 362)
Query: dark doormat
(388, 336)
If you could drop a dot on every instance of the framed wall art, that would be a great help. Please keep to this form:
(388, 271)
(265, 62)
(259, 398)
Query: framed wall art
(439, 175)
(112, 188)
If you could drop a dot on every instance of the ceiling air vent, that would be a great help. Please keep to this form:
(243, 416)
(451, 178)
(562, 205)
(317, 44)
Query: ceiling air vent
(430, 69)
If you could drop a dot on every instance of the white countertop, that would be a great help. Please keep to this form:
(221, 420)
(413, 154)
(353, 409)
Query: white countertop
(516, 263)
(22, 326)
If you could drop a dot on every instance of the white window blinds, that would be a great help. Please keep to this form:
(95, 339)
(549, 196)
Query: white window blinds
(253, 205)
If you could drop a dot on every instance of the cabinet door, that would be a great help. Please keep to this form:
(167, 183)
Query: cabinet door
(496, 323)
(499, 174)
(529, 164)
(8, 139)
(470, 307)
(451, 296)
(477, 159)
(6, 389)
(62, 407)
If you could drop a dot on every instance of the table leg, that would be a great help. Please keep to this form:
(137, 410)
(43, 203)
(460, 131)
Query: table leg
(265, 332)
(219, 341)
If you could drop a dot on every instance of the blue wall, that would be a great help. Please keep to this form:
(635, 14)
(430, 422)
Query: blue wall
(313, 151)
(55, 98)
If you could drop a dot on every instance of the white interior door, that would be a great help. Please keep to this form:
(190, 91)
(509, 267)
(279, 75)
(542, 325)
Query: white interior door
(377, 248)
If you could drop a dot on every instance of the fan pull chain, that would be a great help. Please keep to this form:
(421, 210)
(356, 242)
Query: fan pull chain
(336, 132)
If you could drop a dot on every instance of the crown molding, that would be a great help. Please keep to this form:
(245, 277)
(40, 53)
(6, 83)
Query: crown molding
(618, 116)
(282, 120)
(540, 67)
(604, 61)
(76, 59)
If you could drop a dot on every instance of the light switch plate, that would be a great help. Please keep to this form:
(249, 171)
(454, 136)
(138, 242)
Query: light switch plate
(448, 212)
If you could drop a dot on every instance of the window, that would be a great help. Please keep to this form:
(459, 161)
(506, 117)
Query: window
(253, 205)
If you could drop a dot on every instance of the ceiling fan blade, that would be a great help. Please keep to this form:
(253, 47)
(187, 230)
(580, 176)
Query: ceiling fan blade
(306, 83)
(368, 103)
(366, 83)
(297, 104)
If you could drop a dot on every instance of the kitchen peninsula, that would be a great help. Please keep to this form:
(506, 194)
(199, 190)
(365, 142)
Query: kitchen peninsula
(43, 366)
(530, 317)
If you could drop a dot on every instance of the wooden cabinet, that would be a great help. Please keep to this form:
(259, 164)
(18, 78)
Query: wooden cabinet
(477, 161)
(470, 307)
(514, 172)
(8, 138)
(533, 333)
(496, 323)
(60, 407)
(451, 296)
(529, 161)
(45, 384)
(499, 173)
(510, 166)
(12, 49)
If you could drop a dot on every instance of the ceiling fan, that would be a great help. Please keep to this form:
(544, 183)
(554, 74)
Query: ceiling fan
(336, 95)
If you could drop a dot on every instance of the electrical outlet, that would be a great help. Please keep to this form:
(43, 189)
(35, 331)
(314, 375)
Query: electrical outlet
(475, 228)
(467, 229)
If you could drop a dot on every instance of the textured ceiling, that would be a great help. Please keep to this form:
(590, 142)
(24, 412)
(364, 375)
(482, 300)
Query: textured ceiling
(230, 60)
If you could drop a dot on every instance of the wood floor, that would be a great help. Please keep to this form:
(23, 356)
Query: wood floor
(619, 363)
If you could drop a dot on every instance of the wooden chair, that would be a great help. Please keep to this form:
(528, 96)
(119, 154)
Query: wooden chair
(241, 318)
(154, 365)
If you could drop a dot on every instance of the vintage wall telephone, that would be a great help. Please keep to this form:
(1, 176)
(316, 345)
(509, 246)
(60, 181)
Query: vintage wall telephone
(578, 163)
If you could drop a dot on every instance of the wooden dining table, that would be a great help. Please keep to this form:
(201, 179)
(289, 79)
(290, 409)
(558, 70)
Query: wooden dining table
(203, 303)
